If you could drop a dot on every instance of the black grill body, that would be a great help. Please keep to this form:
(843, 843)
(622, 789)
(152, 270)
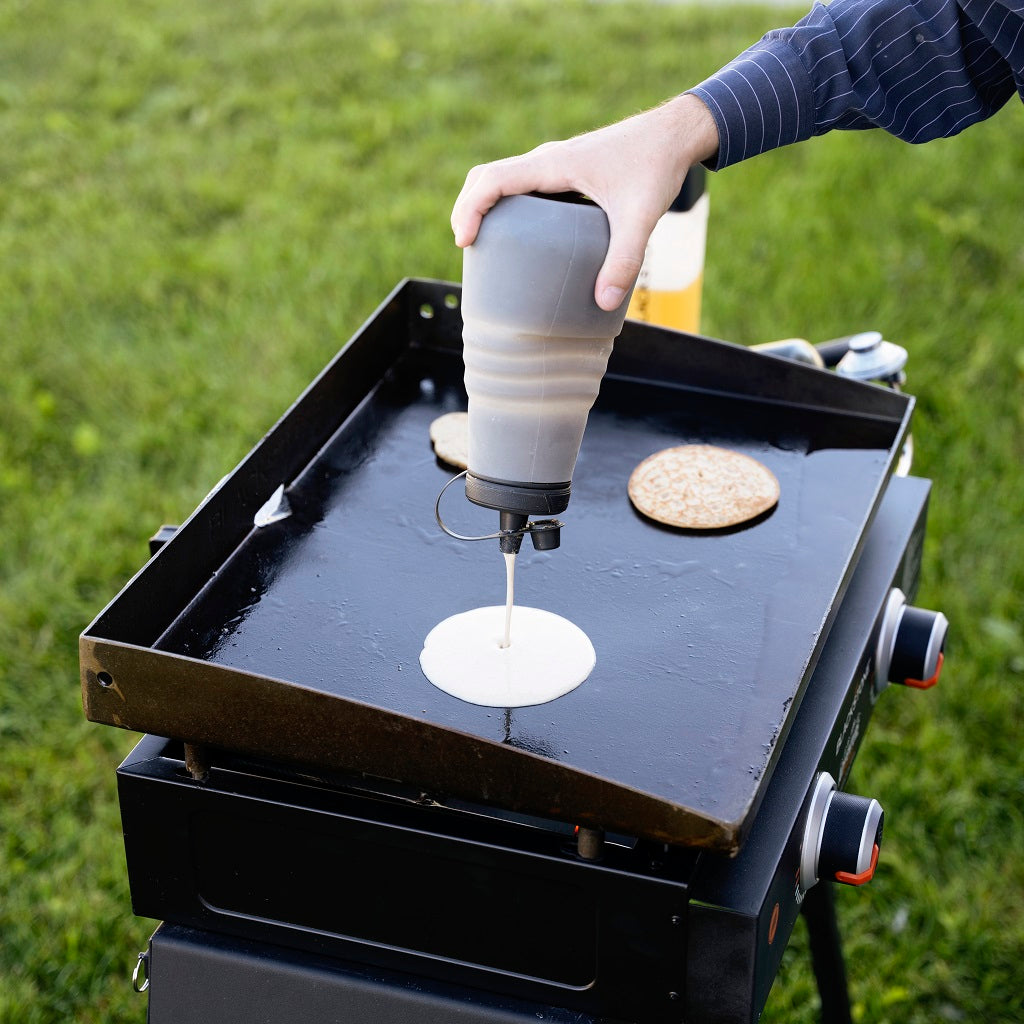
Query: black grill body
(292, 895)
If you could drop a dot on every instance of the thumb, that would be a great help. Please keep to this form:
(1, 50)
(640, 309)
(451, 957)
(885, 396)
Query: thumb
(622, 263)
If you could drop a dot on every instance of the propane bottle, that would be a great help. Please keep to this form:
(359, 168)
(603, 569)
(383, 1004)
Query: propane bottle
(668, 290)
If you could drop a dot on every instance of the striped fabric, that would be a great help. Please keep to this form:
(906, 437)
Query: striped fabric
(920, 69)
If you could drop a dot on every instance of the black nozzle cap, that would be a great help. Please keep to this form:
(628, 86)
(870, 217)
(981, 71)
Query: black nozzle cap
(548, 534)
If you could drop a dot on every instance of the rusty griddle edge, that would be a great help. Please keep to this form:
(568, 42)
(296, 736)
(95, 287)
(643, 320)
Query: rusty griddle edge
(195, 701)
(181, 697)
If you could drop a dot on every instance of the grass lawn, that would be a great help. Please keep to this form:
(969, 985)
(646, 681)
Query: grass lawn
(200, 202)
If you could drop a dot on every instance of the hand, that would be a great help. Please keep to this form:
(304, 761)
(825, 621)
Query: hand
(632, 170)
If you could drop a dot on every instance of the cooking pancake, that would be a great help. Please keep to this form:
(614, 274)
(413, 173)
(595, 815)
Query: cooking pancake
(464, 655)
(449, 435)
(702, 487)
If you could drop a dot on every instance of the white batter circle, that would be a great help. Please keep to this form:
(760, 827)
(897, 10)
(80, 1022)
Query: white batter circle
(549, 656)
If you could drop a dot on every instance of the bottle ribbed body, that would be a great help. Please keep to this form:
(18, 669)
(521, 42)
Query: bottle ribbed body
(529, 401)
(535, 343)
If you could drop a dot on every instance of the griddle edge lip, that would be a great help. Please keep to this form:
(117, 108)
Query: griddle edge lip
(414, 292)
(175, 696)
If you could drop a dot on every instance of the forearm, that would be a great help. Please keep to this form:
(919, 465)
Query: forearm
(919, 69)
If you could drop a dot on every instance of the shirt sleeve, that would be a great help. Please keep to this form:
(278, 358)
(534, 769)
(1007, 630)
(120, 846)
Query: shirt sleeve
(919, 69)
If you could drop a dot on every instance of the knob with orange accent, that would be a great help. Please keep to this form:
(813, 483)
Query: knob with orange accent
(850, 838)
(911, 645)
(842, 836)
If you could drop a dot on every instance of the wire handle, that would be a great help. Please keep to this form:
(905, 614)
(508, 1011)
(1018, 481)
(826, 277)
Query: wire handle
(539, 526)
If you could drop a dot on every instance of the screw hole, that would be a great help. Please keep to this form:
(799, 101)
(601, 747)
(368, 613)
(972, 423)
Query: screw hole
(427, 311)
(451, 301)
(105, 679)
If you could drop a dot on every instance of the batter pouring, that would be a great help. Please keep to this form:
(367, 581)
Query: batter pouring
(506, 656)
(510, 577)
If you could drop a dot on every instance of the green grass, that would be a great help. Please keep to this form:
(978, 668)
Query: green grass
(200, 202)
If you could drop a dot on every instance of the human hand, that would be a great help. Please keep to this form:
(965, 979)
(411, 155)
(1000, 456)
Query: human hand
(632, 170)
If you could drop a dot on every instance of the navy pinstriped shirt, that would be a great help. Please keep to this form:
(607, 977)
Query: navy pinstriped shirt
(920, 69)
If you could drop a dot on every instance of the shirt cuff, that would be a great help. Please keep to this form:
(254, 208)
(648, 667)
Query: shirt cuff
(760, 101)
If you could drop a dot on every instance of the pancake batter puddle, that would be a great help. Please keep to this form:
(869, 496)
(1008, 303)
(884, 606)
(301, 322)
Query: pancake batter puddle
(548, 657)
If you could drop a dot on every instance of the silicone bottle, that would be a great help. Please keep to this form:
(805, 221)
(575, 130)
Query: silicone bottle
(535, 345)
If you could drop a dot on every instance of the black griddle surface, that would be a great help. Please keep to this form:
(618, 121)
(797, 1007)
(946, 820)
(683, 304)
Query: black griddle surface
(704, 641)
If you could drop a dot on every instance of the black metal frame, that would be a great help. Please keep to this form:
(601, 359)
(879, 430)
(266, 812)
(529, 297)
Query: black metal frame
(263, 834)
(384, 875)
(194, 974)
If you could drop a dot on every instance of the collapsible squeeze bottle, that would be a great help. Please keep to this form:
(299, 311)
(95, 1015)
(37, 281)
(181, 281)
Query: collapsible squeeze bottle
(535, 345)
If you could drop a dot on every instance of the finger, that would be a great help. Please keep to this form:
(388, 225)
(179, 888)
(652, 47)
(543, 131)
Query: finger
(470, 206)
(622, 263)
(466, 221)
(486, 184)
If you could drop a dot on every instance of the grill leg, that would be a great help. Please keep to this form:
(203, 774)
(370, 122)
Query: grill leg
(197, 761)
(819, 910)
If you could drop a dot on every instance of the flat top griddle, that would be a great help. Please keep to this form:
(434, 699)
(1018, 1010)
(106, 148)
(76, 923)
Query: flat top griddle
(300, 639)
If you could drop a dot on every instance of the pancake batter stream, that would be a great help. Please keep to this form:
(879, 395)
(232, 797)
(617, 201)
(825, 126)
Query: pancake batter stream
(507, 656)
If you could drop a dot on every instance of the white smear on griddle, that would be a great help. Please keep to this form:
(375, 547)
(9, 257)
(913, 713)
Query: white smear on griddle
(274, 509)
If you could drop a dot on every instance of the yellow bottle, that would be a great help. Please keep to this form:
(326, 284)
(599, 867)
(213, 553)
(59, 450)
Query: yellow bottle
(668, 290)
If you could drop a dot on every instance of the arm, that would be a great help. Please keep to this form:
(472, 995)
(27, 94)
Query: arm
(917, 68)
(920, 69)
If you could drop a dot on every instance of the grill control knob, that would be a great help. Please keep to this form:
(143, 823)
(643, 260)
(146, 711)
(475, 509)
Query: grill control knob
(850, 839)
(910, 647)
(842, 836)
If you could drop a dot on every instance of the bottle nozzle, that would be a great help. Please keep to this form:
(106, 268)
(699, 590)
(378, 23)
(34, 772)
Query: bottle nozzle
(546, 534)
(511, 540)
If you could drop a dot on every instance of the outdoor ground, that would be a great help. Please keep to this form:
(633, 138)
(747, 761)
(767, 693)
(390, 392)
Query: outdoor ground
(199, 203)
